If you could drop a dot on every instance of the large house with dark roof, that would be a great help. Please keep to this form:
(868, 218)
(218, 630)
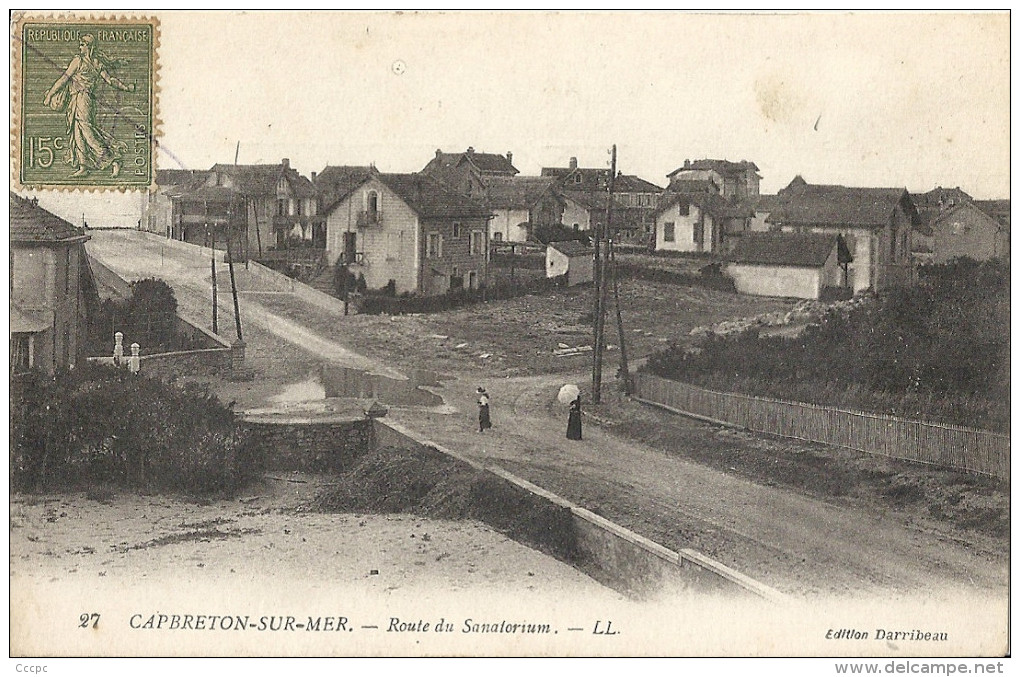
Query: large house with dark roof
(410, 229)
(877, 224)
(50, 283)
(584, 190)
(282, 204)
(158, 211)
(701, 222)
(468, 172)
(261, 207)
(735, 180)
(798, 265)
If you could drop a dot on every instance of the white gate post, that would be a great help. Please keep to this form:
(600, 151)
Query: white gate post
(134, 362)
(118, 348)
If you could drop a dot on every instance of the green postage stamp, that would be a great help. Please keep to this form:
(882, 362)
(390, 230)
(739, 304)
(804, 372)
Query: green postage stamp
(84, 102)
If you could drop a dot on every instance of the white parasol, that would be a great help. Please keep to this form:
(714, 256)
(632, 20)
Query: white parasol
(568, 393)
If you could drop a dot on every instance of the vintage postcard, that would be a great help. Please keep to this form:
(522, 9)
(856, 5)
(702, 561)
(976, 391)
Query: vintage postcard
(511, 334)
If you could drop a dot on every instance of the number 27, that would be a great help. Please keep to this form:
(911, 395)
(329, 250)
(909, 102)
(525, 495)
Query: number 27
(85, 619)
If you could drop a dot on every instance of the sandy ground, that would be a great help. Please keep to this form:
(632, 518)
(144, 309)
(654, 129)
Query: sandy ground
(269, 532)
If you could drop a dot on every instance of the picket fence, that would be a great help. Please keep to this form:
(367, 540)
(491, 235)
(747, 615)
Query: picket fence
(948, 446)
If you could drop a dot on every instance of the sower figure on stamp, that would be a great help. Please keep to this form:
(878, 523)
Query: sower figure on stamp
(484, 422)
(90, 147)
(574, 420)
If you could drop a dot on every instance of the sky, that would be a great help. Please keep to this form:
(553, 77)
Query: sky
(900, 99)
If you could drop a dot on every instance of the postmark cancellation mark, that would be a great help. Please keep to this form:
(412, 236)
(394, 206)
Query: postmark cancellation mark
(84, 95)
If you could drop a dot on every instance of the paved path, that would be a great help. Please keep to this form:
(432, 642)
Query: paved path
(794, 543)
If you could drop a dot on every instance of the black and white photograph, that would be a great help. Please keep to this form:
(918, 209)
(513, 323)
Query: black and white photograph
(511, 334)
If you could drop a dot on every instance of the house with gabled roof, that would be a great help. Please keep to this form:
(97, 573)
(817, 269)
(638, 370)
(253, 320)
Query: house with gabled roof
(277, 205)
(585, 188)
(877, 224)
(282, 203)
(967, 230)
(737, 180)
(469, 171)
(50, 289)
(698, 222)
(336, 181)
(411, 229)
(797, 265)
(519, 205)
(158, 211)
(574, 178)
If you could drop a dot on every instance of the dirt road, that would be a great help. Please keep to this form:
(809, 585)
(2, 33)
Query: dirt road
(795, 542)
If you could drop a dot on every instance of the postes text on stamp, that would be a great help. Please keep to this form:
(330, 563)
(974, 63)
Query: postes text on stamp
(84, 102)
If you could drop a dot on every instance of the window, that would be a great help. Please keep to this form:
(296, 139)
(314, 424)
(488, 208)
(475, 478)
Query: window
(669, 232)
(477, 242)
(472, 280)
(497, 236)
(578, 178)
(297, 207)
(67, 272)
(372, 206)
(435, 246)
(892, 245)
(281, 207)
(456, 229)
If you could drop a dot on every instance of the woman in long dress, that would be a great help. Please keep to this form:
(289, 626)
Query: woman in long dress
(90, 147)
(574, 420)
(484, 422)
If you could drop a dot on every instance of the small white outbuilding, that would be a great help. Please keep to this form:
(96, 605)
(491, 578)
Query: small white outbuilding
(571, 258)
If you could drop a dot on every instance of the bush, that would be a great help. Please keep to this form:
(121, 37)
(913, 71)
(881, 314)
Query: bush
(938, 350)
(148, 317)
(380, 302)
(559, 233)
(99, 425)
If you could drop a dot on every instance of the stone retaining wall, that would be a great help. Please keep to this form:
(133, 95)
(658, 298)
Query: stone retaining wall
(312, 446)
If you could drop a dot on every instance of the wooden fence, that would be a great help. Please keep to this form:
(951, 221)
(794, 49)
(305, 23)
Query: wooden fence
(948, 446)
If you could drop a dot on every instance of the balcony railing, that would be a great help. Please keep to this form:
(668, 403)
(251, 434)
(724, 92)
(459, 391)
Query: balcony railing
(369, 218)
(287, 221)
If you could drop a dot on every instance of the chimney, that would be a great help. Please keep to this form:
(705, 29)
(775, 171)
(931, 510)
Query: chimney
(687, 164)
(285, 162)
(313, 177)
(509, 157)
(439, 151)
(471, 150)
(573, 163)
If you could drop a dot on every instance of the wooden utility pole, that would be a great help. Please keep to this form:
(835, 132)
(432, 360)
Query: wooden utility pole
(602, 287)
(624, 369)
(233, 289)
(212, 263)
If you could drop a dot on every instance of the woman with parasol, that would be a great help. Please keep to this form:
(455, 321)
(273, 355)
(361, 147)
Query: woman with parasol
(571, 393)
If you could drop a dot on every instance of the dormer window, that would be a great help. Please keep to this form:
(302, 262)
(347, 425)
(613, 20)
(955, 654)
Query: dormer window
(578, 178)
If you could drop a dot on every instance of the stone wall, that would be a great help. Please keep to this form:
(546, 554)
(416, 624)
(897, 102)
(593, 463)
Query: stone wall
(312, 447)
